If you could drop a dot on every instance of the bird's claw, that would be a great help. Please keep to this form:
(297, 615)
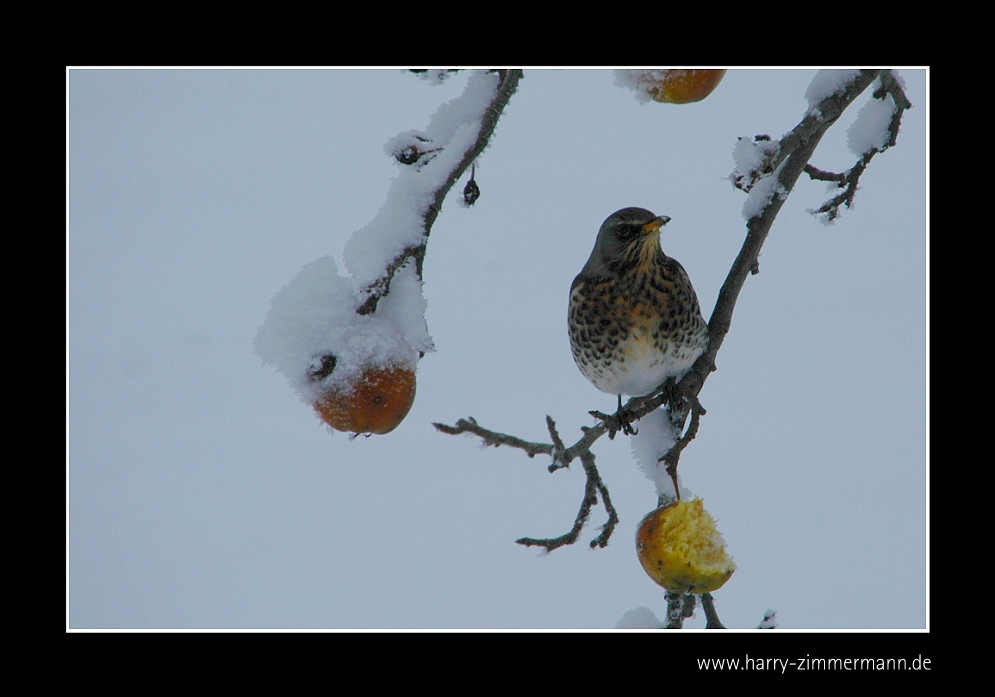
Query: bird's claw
(619, 421)
(676, 403)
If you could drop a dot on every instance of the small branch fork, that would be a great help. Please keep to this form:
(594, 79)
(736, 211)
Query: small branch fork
(849, 179)
(562, 457)
(379, 288)
(796, 148)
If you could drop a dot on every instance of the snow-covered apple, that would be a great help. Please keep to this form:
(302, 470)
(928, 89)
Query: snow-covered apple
(375, 402)
(683, 86)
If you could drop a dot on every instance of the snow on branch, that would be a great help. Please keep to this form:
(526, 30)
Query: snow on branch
(793, 153)
(436, 157)
(875, 130)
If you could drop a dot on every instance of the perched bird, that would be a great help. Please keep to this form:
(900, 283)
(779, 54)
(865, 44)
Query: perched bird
(634, 317)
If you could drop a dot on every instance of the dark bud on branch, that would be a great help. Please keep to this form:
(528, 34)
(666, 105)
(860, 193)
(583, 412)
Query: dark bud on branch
(471, 192)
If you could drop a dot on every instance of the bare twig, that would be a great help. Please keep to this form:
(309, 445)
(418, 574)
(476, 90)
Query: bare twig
(889, 85)
(711, 617)
(558, 447)
(688, 608)
(592, 488)
(590, 499)
(821, 175)
(673, 456)
(609, 527)
(496, 439)
(562, 457)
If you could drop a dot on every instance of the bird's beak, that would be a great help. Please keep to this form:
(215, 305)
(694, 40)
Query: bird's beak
(653, 226)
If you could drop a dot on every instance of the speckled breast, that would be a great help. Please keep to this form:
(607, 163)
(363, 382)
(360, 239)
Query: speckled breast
(629, 334)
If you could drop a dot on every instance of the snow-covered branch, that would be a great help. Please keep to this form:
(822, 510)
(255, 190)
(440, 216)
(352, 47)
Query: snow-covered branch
(679, 607)
(875, 130)
(438, 157)
(829, 95)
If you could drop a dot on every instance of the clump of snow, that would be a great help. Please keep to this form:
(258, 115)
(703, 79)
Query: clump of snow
(642, 82)
(828, 82)
(753, 160)
(652, 440)
(314, 315)
(639, 618)
(763, 193)
(754, 172)
(399, 224)
(870, 130)
(404, 307)
(435, 75)
(769, 620)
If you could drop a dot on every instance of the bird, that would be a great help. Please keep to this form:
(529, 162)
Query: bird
(634, 318)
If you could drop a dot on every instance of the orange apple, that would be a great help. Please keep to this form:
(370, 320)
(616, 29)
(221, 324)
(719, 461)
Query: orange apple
(375, 402)
(681, 549)
(684, 86)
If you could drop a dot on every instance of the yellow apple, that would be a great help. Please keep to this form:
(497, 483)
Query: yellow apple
(681, 549)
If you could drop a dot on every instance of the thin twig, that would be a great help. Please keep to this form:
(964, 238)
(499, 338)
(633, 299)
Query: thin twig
(591, 489)
(558, 448)
(821, 175)
(688, 608)
(493, 438)
(593, 476)
(673, 456)
(711, 617)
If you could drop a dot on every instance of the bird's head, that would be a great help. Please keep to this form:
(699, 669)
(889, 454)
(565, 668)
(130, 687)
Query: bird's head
(626, 238)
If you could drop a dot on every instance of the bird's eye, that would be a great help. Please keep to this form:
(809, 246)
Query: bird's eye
(626, 231)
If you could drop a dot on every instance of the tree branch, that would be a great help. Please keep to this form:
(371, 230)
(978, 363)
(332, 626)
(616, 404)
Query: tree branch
(711, 616)
(562, 457)
(675, 610)
(673, 456)
(470, 425)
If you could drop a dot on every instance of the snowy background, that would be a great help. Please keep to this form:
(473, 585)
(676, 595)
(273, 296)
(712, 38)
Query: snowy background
(203, 493)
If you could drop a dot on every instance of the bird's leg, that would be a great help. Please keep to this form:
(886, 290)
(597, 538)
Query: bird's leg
(619, 421)
(624, 422)
(677, 403)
